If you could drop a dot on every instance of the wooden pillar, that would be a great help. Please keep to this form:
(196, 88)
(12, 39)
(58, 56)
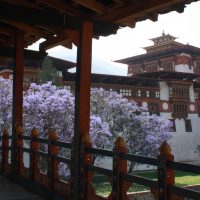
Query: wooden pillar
(18, 79)
(17, 88)
(82, 107)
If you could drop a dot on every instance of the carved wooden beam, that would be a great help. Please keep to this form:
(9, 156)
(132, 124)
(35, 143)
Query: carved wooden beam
(93, 5)
(31, 16)
(7, 31)
(55, 41)
(63, 7)
(25, 3)
(10, 52)
(27, 29)
(137, 9)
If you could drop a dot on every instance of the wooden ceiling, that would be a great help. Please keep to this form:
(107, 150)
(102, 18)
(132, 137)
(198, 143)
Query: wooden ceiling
(52, 19)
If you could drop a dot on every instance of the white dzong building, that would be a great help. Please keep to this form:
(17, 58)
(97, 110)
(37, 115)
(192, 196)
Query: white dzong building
(176, 69)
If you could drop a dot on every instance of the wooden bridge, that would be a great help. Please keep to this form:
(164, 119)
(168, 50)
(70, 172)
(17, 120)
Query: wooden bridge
(10, 190)
(52, 185)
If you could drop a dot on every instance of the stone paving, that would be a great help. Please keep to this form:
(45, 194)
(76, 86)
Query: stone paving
(12, 191)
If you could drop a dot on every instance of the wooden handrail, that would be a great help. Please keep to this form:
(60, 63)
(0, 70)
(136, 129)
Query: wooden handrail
(19, 152)
(163, 188)
(5, 145)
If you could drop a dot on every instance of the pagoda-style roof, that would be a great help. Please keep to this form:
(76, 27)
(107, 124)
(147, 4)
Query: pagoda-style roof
(168, 75)
(51, 19)
(188, 49)
(34, 59)
(62, 65)
(163, 39)
(113, 79)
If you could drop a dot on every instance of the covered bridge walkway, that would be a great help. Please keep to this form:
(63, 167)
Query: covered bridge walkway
(62, 23)
(13, 191)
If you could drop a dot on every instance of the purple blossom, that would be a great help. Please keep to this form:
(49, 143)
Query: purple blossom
(48, 107)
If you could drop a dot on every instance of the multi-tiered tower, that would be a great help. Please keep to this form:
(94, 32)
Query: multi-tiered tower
(176, 67)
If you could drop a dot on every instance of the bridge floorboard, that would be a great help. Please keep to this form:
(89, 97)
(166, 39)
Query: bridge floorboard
(13, 191)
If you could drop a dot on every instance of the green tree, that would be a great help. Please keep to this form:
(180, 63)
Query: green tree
(48, 72)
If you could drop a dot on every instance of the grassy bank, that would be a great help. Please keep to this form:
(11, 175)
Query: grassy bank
(103, 187)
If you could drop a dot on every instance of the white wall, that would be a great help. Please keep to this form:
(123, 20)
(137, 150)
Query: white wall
(164, 91)
(184, 143)
(184, 68)
(191, 92)
(166, 115)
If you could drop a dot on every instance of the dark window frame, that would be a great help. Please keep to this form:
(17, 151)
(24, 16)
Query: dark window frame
(179, 110)
(173, 128)
(188, 125)
(154, 108)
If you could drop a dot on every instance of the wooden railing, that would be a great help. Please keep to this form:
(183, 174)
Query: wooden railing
(51, 184)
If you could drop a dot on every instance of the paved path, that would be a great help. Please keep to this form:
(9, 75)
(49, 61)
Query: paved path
(12, 191)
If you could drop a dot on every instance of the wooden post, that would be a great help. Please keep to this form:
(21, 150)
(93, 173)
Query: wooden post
(5, 145)
(166, 176)
(17, 91)
(34, 146)
(19, 145)
(119, 187)
(169, 174)
(82, 107)
(18, 79)
(89, 190)
(52, 162)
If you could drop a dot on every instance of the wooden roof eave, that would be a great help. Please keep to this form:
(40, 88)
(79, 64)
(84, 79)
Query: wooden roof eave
(107, 16)
(113, 79)
(9, 52)
(168, 75)
(158, 55)
(36, 17)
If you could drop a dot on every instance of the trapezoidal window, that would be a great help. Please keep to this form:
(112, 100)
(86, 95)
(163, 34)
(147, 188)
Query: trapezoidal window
(125, 92)
(180, 92)
(154, 109)
(167, 65)
(188, 125)
(198, 110)
(179, 110)
(173, 128)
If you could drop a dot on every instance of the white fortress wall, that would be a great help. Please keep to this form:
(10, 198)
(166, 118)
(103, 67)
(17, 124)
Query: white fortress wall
(184, 68)
(184, 143)
(164, 91)
(191, 92)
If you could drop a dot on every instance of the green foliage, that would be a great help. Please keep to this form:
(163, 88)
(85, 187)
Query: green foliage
(48, 72)
(103, 187)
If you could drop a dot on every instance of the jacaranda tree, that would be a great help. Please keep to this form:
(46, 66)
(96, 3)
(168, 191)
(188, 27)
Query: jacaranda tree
(143, 134)
(5, 104)
(48, 107)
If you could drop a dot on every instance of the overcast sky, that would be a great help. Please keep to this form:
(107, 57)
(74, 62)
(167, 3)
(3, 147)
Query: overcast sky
(129, 42)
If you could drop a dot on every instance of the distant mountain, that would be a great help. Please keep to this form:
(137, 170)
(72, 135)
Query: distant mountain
(99, 66)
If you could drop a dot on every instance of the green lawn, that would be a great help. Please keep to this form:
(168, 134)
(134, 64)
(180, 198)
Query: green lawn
(103, 187)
